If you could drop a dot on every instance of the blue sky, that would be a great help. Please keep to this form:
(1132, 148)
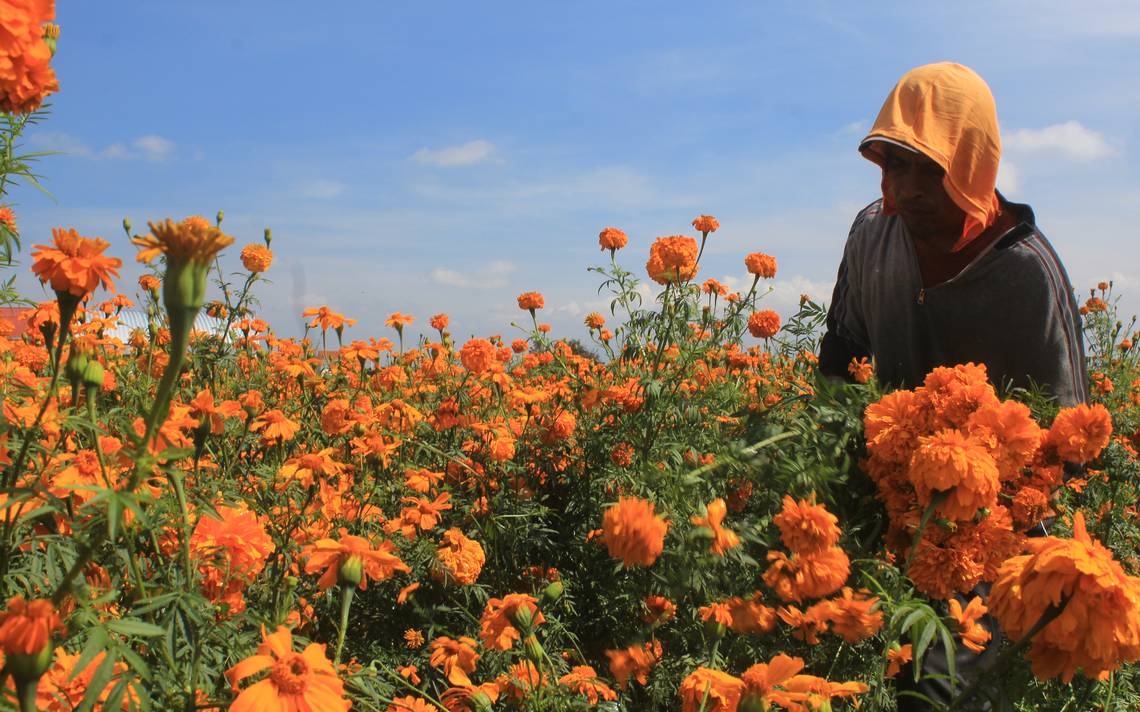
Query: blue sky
(445, 156)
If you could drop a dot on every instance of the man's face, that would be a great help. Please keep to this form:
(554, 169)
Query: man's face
(915, 185)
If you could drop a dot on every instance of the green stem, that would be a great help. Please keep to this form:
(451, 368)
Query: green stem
(26, 692)
(345, 605)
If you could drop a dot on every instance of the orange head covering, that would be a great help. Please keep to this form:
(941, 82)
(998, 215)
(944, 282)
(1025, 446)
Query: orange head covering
(946, 112)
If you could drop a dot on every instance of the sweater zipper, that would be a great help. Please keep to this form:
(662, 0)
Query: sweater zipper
(922, 290)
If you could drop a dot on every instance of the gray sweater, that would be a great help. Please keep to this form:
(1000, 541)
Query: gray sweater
(1012, 309)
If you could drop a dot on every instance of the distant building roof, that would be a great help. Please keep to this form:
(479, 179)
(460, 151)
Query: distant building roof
(129, 320)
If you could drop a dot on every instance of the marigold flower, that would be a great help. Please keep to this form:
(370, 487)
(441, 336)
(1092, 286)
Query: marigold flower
(521, 681)
(326, 319)
(413, 639)
(1009, 432)
(612, 238)
(805, 527)
(635, 662)
(710, 690)
(854, 615)
(633, 532)
(810, 576)
(304, 680)
(238, 535)
(750, 616)
(723, 538)
(955, 393)
(498, 629)
(705, 223)
(861, 369)
(594, 320)
(672, 259)
(75, 264)
(1099, 627)
(1081, 432)
(192, 240)
(949, 461)
(274, 427)
(477, 355)
(439, 322)
(974, 635)
(256, 257)
(411, 703)
(352, 561)
(150, 283)
(461, 558)
(764, 324)
(457, 658)
(26, 75)
(660, 610)
(897, 656)
(531, 301)
(763, 683)
(583, 680)
(26, 627)
(760, 264)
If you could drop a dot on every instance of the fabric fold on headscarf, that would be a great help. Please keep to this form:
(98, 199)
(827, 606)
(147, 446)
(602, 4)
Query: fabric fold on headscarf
(946, 112)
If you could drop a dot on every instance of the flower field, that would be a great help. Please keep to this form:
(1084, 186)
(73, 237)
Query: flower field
(679, 514)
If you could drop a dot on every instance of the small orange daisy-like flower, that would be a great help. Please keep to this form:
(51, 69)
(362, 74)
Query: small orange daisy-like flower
(26, 627)
(898, 656)
(711, 691)
(760, 264)
(706, 223)
(305, 680)
(594, 320)
(633, 532)
(672, 259)
(413, 638)
(974, 635)
(326, 319)
(659, 609)
(612, 238)
(1081, 432)
(274, 427)
(583, 680)
(502, 617)
(723, 537)
(256, 258)
(860, 369)
(150, 283)
(457, 658)
(75, 264)
(531, 301)
(460, 557)
(854, 615)
(635, 662)
(750, 616)
(8, 219)
(764, 324)
(398, 321)
(410, 703)
(237, 534)
(192, 240)
(763, 683)
(805, 527)
(352, 561)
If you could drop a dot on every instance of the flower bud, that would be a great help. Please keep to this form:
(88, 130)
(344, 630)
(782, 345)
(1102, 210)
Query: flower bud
(752, 702)
(220, 217)
(533, 648)
(553, 591)
(522, 618)
(127, 226)
(714, 628)
(351, 571)
(480, 702)
(268, 236)
(29, 667)
(93, 374)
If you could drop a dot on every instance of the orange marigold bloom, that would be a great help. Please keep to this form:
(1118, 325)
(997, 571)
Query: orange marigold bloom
(150, 283)
(75, 264)
(810, 576)
(1030, 505)
(955, 393)
(439, 322)
(898, 656)
(63, 687)
(326, 319)
(461, 558)
(1081, 432)
(672, 259)
(531, 301)
(583, 679)
(939, 571)
(763, 683)
(1099, 626)
(26, 75)
(818, 692)
(275, 427)
(470, 698)
(352, 561)
(237, 534)
(953, 462)
(861, 369)
(256, 257)
(413, 639)
(893, 425)
(612, 239)
(1009, 432)
(854, 615)
(974, 635)
(594, 320)
(304, 680)
(26, 627)
(477, 355)
(750, 616)
(636, 661)
(521, 680)
(710, 690)
(660, 610)
(633, 532)
(457, 658)
(192, 240)
(764, 324)
(498, 629)
(760, 264)
(398, 321)
(411, 703)
(723, 538)
(705, 223)
(308, 467)
(806, 527)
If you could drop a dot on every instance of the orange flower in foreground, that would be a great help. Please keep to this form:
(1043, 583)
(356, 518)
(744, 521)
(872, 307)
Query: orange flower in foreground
(457, 658)
(256, 257)
(706, 223)
(633, 532)
(764, 324)
(854, 615)
(461, 558)
(583, 679)
(326, 319)
(26, 75)
(1081, 432)
(531, 301)
(75, 264)
(974, 635)
(477, 355)
(352, 561)
(502, 618)
(760, 264)
(810, 576)
(192, 240)
(710, 691)
(723, 538)
(274, 426)
(672, 259)
(1098, 628)
(237, 534)
(951, 461)
(805, 527)
(296, 681)
(26, 627)
(636, 661)
(763, 681)
(612, 238)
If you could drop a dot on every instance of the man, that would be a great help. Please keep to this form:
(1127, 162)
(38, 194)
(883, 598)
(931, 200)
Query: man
(942, 269)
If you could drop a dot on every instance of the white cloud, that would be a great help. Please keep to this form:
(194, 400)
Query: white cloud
(59, 141)
(322, 189)
(468, 154)
(150, 147)
(855, 128)
(489, 276)
(1071, 140)
(153, 147)
(1008, 179)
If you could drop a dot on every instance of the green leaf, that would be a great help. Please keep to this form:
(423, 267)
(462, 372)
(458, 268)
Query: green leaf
(132, 626)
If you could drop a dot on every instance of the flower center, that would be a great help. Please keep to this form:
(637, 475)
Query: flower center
(290, 674)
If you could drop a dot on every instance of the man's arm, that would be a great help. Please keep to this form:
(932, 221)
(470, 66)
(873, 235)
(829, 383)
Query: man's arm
(846, 335)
